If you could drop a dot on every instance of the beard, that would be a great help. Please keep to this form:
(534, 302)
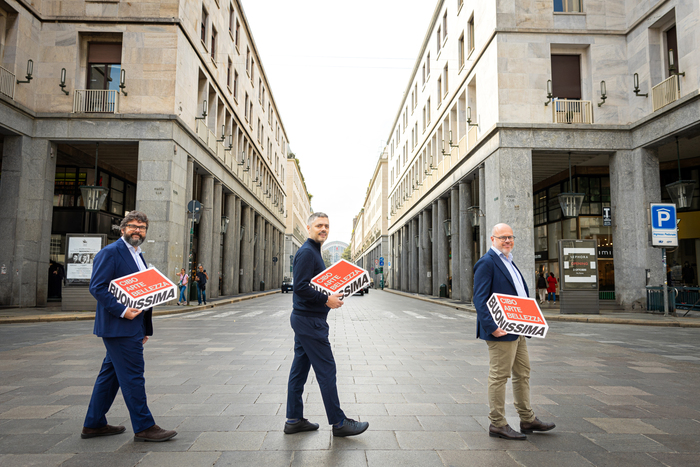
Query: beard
(135, 242)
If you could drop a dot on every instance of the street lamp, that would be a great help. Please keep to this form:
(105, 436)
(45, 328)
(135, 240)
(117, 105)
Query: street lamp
(224, 224)
(448, 227)
(475, 215)
(417, 241)
(571, 202)
(430, 234)
(681, 192)
(94, 196)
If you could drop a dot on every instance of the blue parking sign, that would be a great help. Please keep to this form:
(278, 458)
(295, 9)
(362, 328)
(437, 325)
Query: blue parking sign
(381, 261)
(663, 225)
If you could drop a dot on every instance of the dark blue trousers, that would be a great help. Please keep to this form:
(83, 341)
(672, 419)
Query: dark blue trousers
(312, 349)
(123, 367)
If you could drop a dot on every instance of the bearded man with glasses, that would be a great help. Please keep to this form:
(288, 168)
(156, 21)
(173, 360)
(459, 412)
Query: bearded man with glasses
(123, 330)
(496, 272)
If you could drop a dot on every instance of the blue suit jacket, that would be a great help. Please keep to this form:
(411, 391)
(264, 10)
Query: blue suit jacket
(112, 262)
(491, 276)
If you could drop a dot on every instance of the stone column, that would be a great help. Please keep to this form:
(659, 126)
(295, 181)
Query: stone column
(634, 183)
(228, 269)
(405, 250)
(257, 252)
(442, 247)
(216, 243)
(434, 247)
(28, 178)
(466, 243)
(206, 227)
(484, 229)
(282, 271)
(413, 272)
(189, 196)
(421, 254)
(246, 279)
(454, 244)
(508, 174)
(395, 269)
(274, 254)
(427, 249)
(268, 255)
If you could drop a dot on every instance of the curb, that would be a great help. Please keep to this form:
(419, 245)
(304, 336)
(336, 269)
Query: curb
(89, 315)
(675, 323)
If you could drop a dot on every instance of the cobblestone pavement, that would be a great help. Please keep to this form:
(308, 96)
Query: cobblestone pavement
(620, 395)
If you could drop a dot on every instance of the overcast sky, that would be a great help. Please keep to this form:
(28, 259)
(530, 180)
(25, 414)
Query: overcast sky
(337, 72)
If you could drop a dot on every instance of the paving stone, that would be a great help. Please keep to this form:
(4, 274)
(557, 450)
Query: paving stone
(329, 458)
(18, 444)
(367, 441)
(255, 458)
(626, 442)
(32, 411)
(243, 441)
(634, 459)
(180, 443)
(28, 426)
(560, 459)
(376, 458)
(480, 458)
(430, 440)
(305, 441)
(624, 425)
(33, 460)
(179, 459)
(112, 459)
(449, 423)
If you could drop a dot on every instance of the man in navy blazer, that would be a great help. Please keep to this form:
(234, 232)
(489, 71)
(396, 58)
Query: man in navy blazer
(123, 330)
(495, 272)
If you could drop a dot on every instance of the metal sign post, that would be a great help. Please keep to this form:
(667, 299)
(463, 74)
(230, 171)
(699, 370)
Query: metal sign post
(664, 234)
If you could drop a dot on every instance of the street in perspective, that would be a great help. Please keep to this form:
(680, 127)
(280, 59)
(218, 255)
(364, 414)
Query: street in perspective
(620, 395)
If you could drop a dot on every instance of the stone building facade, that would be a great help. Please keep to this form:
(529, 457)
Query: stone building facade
(297, 214)
(503, 98)
(169, 101)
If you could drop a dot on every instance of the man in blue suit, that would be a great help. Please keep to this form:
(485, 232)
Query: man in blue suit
(496, 272)
(123, 330)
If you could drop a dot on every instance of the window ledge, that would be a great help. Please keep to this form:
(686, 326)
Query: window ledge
(574, 13)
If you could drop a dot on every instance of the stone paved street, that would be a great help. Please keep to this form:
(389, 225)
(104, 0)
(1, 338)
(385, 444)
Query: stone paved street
(620, 395)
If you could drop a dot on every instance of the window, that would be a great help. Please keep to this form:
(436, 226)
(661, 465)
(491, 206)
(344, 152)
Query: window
(460, 4)
(460, 51)
(247, 60)
(203, 26)
(104, 65)
(250, 112)
(568, 6)
(260, 90)
(427, 106)
(415, 95)
(263, 97)
(427, 64)
(229, 66)
(446, 75)
(415, 135)
(425, 118)
(566, 76)
(470, 28)
(424, 74)
(213, 45)
(252, 70)
(413, 139)
(245, 108)
(444, 26)
(235, 84)
(439, 90)
(413, 99)
(231, 19)
(237, 35)
(438, 38)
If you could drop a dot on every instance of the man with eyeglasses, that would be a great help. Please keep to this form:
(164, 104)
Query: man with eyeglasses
(123, 330)
(496, 272)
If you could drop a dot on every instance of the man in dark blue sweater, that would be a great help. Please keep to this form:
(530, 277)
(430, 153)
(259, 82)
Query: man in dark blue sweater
(311, 344)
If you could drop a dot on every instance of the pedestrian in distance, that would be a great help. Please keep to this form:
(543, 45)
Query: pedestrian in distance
(201, 278)
(311, 345)
(495, 272)
(552, 289)
(541, 287)
(124, 331)
(183, 279)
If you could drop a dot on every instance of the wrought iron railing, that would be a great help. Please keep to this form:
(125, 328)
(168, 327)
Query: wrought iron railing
(95, 100)
(7, 83)
(665, 92)
(572, 111)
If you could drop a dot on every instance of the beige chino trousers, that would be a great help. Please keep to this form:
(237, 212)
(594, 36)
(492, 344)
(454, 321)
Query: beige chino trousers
(506, 358)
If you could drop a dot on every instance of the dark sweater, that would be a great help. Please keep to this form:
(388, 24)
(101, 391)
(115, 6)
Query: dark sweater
(308, 263)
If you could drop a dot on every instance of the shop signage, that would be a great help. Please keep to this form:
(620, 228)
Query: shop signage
(518, 315)
(607, 216)
(541, 255)
(143, 289)
(80, 253)
(342, 276)
(663, 225)
(579, 269)
(605, 252)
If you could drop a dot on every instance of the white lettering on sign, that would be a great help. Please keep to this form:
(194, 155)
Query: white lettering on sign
(663, 215)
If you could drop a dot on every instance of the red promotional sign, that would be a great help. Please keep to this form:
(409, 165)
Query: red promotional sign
(518, 315)
(143, 289)
(343, 277)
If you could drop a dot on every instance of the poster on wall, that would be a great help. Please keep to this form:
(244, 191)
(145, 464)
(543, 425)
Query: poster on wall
(80, 254)
(578, 264)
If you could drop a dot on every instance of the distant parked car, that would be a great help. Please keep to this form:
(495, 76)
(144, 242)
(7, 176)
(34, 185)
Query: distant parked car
(287, 285)
(364, 290)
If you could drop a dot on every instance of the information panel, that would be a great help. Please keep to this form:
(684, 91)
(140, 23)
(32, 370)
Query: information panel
(579, 264)
(80, 253)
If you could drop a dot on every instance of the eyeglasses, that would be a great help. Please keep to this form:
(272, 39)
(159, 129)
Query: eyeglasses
(506, 238)
(142, 228)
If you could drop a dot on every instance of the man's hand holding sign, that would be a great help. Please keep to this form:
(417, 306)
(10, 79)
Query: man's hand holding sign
(340, 280)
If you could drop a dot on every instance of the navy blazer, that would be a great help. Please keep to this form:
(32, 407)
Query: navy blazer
(491, 276)
(112, 262)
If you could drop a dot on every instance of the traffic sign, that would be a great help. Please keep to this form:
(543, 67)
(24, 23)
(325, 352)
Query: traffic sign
(376, 262)
(381, 261)
(607, 216)
(663, 225)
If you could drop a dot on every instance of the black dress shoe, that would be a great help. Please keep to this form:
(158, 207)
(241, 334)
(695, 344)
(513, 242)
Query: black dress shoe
(506, 432)
(350, 428)
(106, 430)
(536, 425)
(302, 425)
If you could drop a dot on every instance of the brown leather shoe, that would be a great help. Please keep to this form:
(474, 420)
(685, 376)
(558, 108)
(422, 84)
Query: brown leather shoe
(506, 432)
(106, 430)
(155, 434)
(536, 425)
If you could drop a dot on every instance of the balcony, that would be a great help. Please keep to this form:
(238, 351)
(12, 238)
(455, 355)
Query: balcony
(572, 111)
(95, 101)
(7, 83)
(665, 92)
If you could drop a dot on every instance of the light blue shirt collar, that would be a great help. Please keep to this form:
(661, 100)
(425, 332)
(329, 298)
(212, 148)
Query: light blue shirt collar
(514, 274)
(136, 254)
